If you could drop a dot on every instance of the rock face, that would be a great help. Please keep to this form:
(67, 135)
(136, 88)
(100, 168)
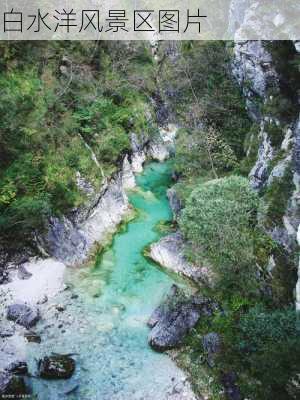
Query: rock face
(253, 64)
(128, 178)
(18, 368)
(70, 239)
(158, 151)
(23, 315)
(138, 156)
(56, 367)
(6, 332)
(174, 319)
(169, 253)
(276, 170)
(161, 148)
(259, 173)
(33, 337)
(175, 202)
(181, 391)
(252, 19)
(254, 70)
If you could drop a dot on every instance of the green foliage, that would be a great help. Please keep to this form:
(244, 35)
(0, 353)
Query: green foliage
(261, 345)
(251, 146)
(260, 328)
(286, 62)
(201, 91)
(284, 277)
(276, 198)
(219, 221)
(275, 133)
(202, 150)
(218, 225)
(62, 105)
(270, 342)
(278, 106)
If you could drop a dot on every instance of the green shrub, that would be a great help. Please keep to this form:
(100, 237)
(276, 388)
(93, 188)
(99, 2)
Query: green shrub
(276, 198)
(270, 346)
(203, 151)
(218, 225)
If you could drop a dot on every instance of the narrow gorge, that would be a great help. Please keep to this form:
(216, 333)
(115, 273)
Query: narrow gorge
(149, 214)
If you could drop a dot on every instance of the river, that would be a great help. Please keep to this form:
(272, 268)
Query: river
(107, 308)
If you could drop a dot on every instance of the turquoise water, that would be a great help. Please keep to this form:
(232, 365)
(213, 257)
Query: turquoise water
(106, 325)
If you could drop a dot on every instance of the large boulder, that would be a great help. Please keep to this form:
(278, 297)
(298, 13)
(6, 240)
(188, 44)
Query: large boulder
(56, 367)
(23, 315)
(174, 319)
(169, 253)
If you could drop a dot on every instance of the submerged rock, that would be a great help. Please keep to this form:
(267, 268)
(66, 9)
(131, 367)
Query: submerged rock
(18, 368)
(174, 319)
(32, 337)
(56, 367)
(12, 385)
(23, 315)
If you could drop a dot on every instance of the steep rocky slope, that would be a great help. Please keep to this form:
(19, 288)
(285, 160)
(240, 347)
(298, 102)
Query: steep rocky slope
(272, 98)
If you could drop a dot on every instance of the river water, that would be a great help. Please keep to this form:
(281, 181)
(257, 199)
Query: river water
(105, 326)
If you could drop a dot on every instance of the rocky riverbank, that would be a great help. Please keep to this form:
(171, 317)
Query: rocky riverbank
(30, 295)
(71, 239)
(23, 301)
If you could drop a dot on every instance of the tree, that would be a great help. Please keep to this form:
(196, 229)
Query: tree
(203, 150)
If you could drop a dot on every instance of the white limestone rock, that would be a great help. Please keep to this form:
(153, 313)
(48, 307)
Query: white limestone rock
(169, 253)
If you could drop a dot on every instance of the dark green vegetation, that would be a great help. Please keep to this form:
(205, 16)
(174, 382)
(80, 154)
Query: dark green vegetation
(208, 104)
(60, 103)
(218, 224)
(216, 147)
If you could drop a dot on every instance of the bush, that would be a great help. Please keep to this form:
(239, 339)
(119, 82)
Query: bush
(270, 346)
(203, 150)
(218, 225)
